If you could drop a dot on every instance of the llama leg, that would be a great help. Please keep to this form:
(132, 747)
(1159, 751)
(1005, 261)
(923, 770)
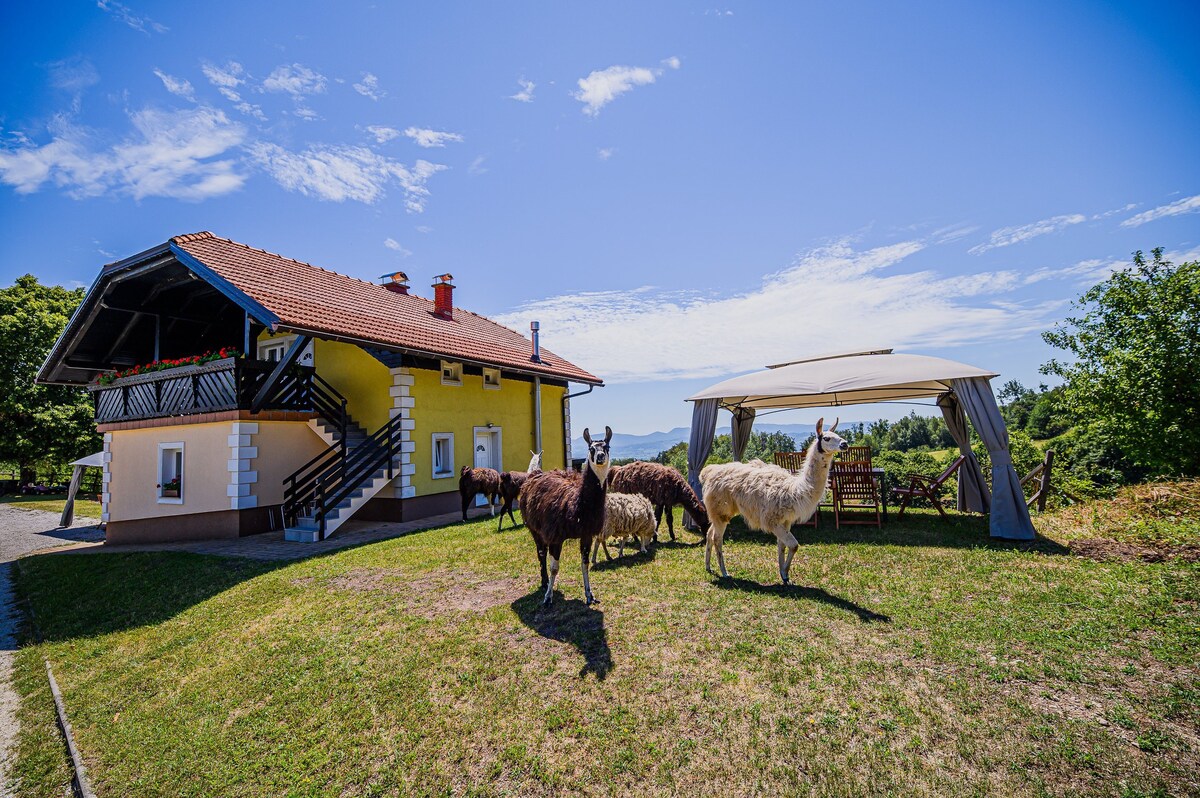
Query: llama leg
(584, 545)
(595, 550)
(658, 514)
(541, 552)
(500, 526)
(669, 511)
(607, 553)
(716, 537)
(491, 499)
(786, 541)
(466, 500)
(554, 554)
(779, 552)
(511, 517)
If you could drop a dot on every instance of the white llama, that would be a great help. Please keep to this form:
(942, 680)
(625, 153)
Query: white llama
(768, 497)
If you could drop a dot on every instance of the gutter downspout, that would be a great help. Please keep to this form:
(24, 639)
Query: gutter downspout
(567, 442)
(536, 357)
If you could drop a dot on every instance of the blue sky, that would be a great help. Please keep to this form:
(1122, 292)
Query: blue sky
(677, 191)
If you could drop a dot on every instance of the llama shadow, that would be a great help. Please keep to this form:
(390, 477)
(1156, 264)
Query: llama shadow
(677, 544)
(628, 560)
(801, 592)
(569, 621)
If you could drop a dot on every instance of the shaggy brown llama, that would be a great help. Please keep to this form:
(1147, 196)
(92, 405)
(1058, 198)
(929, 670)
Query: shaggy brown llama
(510, 487)
(559, 506)
(473, 481)
(664, 487)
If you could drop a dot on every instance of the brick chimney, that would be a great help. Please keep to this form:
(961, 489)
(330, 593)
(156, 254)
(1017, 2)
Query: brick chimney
(397, 282)
(443, 296)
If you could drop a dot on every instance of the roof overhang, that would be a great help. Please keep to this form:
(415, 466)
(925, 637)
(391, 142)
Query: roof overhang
(842, 379)
(141, 289)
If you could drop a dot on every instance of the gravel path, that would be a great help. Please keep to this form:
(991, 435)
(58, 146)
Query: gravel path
(23, 531)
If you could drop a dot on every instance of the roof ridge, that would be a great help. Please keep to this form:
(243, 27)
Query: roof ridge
(187, 237)
(284, 257)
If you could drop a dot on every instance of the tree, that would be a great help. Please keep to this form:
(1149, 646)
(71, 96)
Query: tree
(1136, 367)
(42, 424)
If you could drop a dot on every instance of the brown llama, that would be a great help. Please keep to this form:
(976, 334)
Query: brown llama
(473, 481)
(664, 487)
(560, 505)
(510, 487)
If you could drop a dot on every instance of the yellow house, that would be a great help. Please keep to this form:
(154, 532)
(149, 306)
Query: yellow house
(240, 391)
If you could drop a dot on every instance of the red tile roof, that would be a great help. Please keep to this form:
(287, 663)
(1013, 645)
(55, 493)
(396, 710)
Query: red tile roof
(307, 297)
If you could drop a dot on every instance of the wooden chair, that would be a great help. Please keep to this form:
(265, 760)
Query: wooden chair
(856, 454)
(855, 497)
(926, 487)
(794, 462)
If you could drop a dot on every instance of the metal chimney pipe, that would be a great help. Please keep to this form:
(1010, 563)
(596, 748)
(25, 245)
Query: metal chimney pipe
(534, 327)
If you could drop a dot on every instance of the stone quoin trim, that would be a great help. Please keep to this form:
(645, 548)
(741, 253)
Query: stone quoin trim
(402, 406)
(242, 453)
(106, 479)
(567, 453)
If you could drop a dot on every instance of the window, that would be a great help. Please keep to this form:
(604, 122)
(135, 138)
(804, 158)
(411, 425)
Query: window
(443, 455)
(451, 373)
(491, 379)
(272, 350)
(170, 473)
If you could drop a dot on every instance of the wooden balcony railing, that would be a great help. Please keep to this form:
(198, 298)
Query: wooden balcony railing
(229, 384)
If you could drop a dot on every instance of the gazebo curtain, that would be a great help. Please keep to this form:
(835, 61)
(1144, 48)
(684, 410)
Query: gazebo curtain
(973, 495)
(1009, 514)
(68, 513)
(743, 422)
(704, 427)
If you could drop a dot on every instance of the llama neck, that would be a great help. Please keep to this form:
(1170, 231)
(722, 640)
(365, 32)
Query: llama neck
(816, 466)
(591, 494)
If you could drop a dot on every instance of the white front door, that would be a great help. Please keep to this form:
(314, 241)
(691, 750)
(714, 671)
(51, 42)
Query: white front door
(487, 454)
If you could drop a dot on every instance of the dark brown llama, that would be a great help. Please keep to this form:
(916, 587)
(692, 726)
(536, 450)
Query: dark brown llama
(473, 481)
(510, 487)
(664, 487)
(560, 505)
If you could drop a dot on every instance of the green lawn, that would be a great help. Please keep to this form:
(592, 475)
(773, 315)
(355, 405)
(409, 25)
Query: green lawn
(84, 508)
(917, 660)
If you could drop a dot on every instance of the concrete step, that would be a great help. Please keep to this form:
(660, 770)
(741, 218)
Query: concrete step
(301, 535)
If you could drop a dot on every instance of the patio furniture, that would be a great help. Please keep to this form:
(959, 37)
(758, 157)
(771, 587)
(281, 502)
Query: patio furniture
(856, 454)
(926, 487)
(855, 494)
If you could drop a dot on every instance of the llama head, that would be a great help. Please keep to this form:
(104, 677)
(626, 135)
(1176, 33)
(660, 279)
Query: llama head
(535, 462)
(597, 457)
(828, 441)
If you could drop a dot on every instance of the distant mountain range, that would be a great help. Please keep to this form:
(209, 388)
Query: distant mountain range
(643, 447)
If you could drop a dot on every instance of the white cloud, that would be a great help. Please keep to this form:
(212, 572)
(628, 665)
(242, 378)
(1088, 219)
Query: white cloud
(369, 87)
(296, 80)
(1085, 271)
(180, 87)
(126, 14)
(698, 335)
(424, 228)
(1006, 236)
(339, 173)
(227, 79)
(525, 95)
(953, 232)
(603, 86)
(604, 153)
(716, 12)
(394, 246)
(383, 134)
(477, 167)
(306, 113)
(1185, 205)
(1115, 211)
(74, 75)
(431, 138)
(171, 154)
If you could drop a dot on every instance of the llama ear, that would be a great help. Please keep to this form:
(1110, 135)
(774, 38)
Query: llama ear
(820, 424)
(835, 423)
(607, 433)
(587, 438)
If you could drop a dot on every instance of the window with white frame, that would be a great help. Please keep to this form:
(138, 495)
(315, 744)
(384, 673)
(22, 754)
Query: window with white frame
(443, 455)
(451, 373)
(272, 351)
(170, 473)
(491, 379)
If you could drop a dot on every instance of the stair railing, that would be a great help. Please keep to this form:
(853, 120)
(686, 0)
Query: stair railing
(320, 485)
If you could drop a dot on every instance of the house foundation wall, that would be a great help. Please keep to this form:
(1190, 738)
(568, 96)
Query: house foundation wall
(221, 525)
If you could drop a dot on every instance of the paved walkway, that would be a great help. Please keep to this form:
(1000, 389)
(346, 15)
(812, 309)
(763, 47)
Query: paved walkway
(272, 546)
(23, 531)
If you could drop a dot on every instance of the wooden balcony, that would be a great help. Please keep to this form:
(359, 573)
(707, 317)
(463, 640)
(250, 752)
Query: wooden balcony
(229, 384)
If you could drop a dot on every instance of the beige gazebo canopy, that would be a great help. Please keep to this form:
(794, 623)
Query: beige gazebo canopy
(877, 375)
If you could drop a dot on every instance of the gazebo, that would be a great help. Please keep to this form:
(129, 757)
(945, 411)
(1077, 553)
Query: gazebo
(880, 375)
